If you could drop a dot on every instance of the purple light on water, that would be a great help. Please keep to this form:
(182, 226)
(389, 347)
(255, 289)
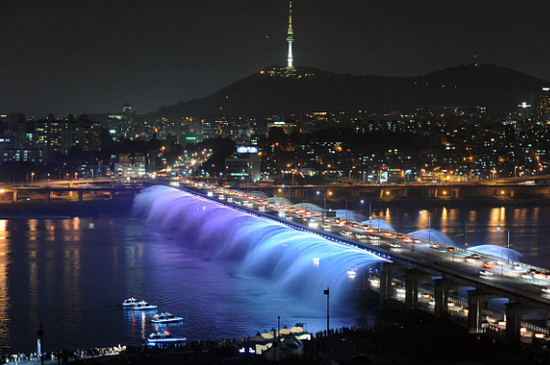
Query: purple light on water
(296, 262)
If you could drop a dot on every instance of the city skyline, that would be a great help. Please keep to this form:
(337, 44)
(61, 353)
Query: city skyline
(74, 58)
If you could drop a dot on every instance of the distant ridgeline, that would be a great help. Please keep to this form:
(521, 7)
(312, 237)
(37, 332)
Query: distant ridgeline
(278, 90)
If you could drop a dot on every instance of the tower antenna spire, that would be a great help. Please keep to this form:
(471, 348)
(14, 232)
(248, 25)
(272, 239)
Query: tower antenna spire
(290, 39)
(266, 50)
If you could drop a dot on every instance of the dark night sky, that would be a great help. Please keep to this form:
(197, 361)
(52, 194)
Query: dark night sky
(71, 57)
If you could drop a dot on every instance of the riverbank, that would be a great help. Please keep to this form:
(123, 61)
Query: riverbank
(64, 208)
(399, 339)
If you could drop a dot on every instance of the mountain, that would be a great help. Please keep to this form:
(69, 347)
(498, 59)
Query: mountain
(275, 91)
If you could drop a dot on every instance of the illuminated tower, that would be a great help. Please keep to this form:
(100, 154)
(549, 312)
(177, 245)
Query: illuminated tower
(290, 38)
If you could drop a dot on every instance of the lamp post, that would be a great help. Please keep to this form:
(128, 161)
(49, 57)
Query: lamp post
(370, 211)
(346, 199)
(305, 194)
(327, 293)
(32, 177)
(324, 204)
(429, 228)
(454, 243)
(507, 244)
(466, 234)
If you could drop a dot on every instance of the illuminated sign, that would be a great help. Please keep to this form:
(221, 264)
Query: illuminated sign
(4, 139)
(247, 149)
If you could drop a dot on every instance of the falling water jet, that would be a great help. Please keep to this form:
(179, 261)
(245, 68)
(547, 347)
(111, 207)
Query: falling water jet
(298, 263)
(499, 252)
(433, 235)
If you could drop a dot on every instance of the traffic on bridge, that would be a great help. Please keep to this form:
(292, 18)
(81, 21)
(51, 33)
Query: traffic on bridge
(411, 259)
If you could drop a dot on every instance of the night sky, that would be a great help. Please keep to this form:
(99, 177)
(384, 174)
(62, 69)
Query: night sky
(79, 56)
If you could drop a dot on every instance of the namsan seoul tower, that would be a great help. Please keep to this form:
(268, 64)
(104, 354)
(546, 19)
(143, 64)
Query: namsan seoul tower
(290, 39)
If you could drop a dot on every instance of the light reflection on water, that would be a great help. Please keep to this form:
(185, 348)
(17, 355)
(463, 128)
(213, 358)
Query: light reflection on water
(73, 274)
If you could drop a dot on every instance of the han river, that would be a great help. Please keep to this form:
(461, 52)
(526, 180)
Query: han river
(208, 265)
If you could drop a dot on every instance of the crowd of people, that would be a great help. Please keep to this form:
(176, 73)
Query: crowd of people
(60, 357)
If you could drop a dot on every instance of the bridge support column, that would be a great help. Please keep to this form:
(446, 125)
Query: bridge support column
(411, 289)
(385, 283)
(14, 196)
(442, 287)
(475, 301)
(48, 195)
(111, 195)
(80, 195)
(513, 323)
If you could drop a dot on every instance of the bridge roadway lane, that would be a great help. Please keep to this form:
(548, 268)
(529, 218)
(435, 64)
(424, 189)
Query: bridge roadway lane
(509, 279)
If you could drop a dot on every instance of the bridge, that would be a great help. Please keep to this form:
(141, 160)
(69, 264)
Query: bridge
(71, 189)
(419, 260)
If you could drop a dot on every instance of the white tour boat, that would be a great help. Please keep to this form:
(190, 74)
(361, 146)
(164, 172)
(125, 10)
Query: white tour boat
(142, 305)
(161, 339)
(165, 318)
(130, 302)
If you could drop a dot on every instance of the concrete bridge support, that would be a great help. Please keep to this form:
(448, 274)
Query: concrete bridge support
(80, 195)
(385, 283)
(513, 322)
(476, 298)
(442, 288)
(411, 288)
(48, 195)
(14, 196)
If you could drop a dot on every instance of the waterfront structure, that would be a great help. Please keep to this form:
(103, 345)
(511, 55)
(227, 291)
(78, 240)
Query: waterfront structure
(290, 39)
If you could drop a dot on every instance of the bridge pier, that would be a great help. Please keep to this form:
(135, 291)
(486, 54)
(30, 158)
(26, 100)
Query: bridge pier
(513, 322)
(476, 298)
(385, 283)
(411, 288)
(14, 198)
(442, 288)
(48, 195)
(80, 195)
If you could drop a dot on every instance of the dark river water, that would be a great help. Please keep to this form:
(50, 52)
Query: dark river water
(229, 275)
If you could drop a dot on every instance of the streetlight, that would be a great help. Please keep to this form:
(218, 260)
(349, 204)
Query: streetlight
(346, 199)
(327, 293)
(324, 204)
(508, 243)
(370, 211)
(32, 177)
(454, 243)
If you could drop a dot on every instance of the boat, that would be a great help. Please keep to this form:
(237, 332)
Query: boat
(142, 305)
(165, 318)
(163, 339)
(130, 302)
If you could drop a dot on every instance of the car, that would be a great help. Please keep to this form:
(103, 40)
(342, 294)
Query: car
(475, 256)
(486, 273)
(488, 264)
(451, 249)
(435, 245)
